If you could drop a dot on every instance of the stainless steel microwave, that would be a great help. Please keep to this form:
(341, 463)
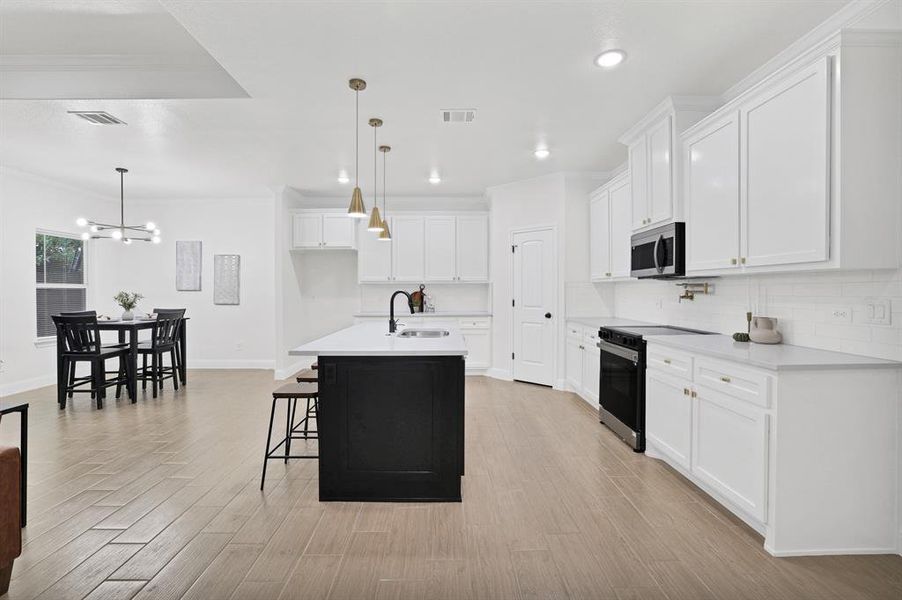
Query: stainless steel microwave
(659, 252)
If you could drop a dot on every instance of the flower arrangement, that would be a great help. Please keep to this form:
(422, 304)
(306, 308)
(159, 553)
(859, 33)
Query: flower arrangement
(128, 301)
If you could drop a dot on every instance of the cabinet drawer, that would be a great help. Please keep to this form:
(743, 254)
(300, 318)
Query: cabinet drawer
(575, 331)
(475, 323)
(672, 362)
(736, 381)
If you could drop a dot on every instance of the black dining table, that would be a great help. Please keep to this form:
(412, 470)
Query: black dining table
(132, 328)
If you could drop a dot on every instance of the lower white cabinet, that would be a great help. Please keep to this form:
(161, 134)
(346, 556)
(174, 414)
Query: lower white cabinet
(668, 416)
(729, 449)
(583, 362)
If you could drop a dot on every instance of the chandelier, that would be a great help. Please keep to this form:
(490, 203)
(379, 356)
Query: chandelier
(126, 233)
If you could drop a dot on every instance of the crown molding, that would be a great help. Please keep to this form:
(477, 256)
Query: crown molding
(669, 105)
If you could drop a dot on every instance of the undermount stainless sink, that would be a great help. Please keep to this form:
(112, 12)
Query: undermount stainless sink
(423, 333)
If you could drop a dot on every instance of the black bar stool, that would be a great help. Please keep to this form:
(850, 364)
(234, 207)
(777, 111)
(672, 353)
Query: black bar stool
(80, 340)
(292, 392)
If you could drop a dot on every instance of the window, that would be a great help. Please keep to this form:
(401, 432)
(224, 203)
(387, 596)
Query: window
(59, 263)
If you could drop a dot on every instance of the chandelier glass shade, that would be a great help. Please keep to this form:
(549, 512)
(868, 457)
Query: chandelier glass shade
(127, 234)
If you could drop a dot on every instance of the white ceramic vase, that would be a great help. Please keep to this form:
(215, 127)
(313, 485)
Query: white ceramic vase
(764, 331)
(128, 316)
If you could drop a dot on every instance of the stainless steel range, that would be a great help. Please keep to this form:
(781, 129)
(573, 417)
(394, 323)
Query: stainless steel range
(622, 386)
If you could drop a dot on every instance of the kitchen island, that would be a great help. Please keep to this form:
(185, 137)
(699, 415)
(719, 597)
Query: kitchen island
(391, 414)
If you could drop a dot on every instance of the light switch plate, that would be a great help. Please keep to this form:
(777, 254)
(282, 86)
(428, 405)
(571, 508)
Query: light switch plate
(839, 314)
(878, 311)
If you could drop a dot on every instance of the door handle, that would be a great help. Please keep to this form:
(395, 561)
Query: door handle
(547, 315)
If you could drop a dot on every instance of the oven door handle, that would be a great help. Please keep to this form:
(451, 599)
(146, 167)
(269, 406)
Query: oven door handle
(631, 355)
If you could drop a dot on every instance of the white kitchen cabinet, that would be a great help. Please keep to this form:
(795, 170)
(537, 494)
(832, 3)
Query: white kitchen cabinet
(654, 158)
(408, 247)
(609, 230)
(431, 248)
(711, 179)
(472, 248)
(591, 370)
(600, 235)
(816, 190)
(621, 249)
(440, 263)
(478, 337)
(374, 258)
(729, 449)
(668, 416)
(574, 363)
(786, 169)
(582, 362)
(311, 229)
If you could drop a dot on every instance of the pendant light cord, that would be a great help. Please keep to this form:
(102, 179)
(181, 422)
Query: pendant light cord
(384, 201)
(375, 168)
(357, 138)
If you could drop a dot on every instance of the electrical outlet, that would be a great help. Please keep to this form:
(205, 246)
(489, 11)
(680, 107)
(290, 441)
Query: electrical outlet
(839, 314)
(878, 311)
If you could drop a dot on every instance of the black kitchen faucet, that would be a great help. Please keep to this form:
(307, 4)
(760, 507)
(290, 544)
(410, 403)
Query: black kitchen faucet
(392, 324)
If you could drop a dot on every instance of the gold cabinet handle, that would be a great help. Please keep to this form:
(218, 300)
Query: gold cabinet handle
(666, 361)
(742, 260)
(733, 261)
(607, 274)
(694, 395)
(725, 379)
(685, 391)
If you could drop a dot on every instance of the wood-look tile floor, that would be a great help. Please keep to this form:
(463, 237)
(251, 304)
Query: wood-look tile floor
(160, 500)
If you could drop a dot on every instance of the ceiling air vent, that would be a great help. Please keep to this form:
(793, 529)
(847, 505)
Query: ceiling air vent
(97, 117)
(455, 116)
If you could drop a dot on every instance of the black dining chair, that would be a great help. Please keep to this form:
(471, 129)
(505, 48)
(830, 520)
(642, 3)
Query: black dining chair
(80, 341)
(178, 313)
(78, 382)
(163, 340)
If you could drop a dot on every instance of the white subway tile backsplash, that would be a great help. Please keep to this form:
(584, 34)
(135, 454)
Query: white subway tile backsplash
(803, 303)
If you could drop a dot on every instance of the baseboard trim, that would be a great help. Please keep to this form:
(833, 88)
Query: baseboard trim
(26, 385)
(828, 552)
(502, 374)
(286, 372)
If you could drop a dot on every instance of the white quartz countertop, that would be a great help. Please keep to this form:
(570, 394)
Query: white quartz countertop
(607, 322)
(405, 314)
(774, 357)
(373, 339)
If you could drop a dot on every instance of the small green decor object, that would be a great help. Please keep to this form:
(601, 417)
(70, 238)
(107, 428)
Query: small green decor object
(741, 337)
(128, 302)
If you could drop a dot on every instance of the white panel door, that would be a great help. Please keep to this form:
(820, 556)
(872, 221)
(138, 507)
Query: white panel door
(729, 449)
(621, 229)
(440, 249)
(373, 256)
(638, 160)
(600, 236)
(535, 303)
(306, 230)
(473, 248)
(407, 249)
(660, 176)
(711, 171)
(574, 366)
(591, 370)
(338, 231)
(668, 416)
(786, 160)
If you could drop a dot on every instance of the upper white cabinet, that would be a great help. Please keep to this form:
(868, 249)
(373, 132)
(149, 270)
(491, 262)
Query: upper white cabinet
(654, 158)
(322, 230)
(427, 249)
(472, 248)
(786, 177)
(609, 230)
(711, 159)
(785, 169)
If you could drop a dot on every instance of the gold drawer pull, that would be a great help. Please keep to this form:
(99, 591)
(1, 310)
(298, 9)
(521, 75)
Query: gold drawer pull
(725, 379)
(666, 361)
(685, 391)
(694, 395)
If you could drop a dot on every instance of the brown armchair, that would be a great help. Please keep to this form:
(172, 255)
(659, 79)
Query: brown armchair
(10, 523)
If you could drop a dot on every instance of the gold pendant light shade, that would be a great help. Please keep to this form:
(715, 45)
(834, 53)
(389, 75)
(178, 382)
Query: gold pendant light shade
(357, 210)
(385, 236)
(376, 223)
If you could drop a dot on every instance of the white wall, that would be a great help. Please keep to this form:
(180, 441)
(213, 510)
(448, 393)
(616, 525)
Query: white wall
(29, 203)
(803, 303)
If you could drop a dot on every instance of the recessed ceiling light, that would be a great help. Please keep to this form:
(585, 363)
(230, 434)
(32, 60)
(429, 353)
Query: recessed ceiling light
(542, 153)
(610, 58)
(434, 179)
(343, 178)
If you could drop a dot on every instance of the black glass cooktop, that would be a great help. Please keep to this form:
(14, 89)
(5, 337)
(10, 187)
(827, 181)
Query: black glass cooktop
(642, 331)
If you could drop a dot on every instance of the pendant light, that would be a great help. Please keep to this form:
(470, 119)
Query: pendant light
(120, 232)
(385, 236)
(357, 210)
(375, 223)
